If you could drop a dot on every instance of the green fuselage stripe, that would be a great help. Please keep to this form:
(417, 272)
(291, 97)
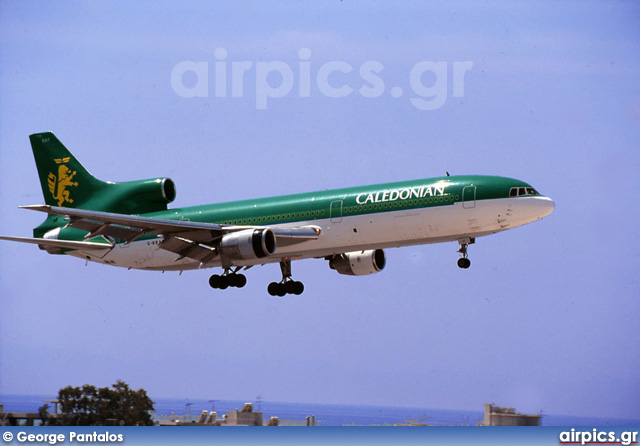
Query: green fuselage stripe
(331, 204)
(441, 191)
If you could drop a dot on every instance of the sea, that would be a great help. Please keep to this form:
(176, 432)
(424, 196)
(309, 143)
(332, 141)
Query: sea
(326, 414)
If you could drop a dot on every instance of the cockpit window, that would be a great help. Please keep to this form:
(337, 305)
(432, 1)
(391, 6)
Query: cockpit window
(520, 191)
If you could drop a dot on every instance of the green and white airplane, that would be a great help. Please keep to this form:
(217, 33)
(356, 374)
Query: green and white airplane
(128, 224)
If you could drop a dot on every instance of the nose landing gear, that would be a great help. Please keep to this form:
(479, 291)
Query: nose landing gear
(464, 261)
(287, 285)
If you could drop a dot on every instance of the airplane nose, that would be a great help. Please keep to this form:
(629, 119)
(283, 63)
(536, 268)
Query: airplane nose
(546, 206)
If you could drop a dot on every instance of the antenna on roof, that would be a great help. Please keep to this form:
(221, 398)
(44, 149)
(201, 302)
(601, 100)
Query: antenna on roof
(447, 173)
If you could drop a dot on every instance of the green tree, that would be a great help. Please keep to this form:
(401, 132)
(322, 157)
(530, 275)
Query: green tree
(90, 406)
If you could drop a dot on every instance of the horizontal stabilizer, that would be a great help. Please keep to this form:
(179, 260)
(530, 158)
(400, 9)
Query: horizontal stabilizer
(59, 243)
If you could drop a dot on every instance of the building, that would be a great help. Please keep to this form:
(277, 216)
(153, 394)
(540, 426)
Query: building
(507, 416)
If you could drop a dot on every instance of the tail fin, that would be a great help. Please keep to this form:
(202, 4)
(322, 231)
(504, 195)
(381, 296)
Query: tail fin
(65, 182)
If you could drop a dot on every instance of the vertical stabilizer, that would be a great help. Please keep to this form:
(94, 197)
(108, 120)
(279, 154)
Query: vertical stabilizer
(65, 182)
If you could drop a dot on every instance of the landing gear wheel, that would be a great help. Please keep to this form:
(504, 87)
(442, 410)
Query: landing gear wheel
(215, 281)
(237, 280)
(289, 286)
(298, 288)
(464, 263)
(277, 289)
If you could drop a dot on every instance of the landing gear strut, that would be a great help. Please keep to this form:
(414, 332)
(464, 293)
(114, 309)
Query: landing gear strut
(287, 285)
(464, 261)
(228, 279)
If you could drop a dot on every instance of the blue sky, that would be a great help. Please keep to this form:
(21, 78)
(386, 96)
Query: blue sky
(547, 318)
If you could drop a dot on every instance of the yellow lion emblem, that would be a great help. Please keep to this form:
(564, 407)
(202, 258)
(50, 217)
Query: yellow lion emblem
(58, 185)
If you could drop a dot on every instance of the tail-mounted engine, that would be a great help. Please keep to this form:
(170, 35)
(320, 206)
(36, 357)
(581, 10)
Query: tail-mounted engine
(134, 197)
(248, 244)
(359, 263)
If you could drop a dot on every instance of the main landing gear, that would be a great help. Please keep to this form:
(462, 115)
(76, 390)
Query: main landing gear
(287, 285)
(228, 279)
(464, 261)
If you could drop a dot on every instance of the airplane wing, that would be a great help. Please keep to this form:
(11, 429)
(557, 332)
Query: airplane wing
(196, 240)
(127, 227)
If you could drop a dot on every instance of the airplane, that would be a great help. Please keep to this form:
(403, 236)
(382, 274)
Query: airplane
(128, 224)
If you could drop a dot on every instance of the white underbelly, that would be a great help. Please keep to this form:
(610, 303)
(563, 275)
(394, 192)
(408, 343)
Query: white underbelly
(379, 230)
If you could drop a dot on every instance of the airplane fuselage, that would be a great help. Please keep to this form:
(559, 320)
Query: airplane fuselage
(442, 209)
